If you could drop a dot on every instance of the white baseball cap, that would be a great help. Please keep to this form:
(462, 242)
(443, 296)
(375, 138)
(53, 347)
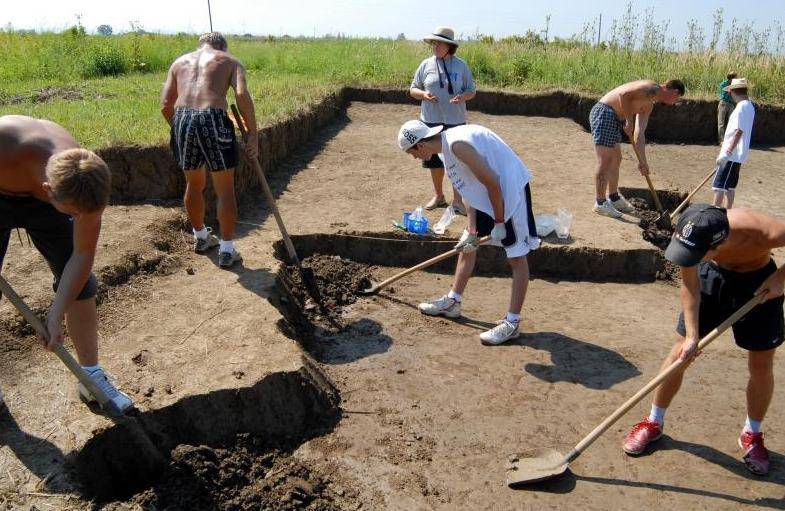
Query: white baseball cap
(413, 131)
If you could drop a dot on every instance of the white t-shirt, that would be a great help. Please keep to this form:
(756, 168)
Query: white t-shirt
(742, 119)
(512, 173)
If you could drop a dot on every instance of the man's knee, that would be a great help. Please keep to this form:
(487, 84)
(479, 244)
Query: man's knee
(518, 263)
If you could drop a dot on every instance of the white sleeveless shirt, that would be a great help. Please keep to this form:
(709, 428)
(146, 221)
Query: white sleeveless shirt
(511, 172)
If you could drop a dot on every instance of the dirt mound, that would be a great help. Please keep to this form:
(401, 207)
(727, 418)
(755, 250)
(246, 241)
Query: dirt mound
(655, 235)
(243, 476)
(326, 284)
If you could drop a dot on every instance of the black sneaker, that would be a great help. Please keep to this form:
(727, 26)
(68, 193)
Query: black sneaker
(227, 259)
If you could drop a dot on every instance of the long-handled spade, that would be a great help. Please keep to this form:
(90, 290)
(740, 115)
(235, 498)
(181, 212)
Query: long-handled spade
(381, 285)
(664, 220)
(692, 193)
(542, 464)
(148, 450)
(305, 273)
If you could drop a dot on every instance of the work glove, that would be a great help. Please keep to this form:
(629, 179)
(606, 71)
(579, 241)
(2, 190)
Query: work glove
(722, 159)
(467, 243)
(499, 232)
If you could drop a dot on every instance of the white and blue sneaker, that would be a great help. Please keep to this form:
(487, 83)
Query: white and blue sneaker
(444, 306)
(504, 331)
(120, 399)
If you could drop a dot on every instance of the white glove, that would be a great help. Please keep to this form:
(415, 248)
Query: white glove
(467, 243)
(722, 159)
(499, 232)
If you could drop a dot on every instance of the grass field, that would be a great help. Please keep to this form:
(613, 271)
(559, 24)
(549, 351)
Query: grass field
(119, 77)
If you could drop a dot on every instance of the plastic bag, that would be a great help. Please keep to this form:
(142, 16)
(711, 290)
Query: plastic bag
(447, 217)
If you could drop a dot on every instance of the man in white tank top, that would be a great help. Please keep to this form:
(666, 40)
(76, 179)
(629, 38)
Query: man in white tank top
(494, 183)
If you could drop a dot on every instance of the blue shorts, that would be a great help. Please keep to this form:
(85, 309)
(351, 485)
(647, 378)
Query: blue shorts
(203, 136)
(727, 177)
(606, 127)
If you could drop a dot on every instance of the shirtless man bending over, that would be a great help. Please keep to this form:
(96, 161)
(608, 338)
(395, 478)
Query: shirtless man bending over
(627, 107)
(57, 192)
(193, 102)
(725, 259)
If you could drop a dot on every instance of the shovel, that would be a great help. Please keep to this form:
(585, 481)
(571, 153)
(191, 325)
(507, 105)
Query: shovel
(305, 273)
(383, 284)
(542, 464)
(663, 221)
(685, 201)
(110, 409)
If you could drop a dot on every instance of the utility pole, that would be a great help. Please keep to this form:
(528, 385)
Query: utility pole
(599, 30)
(210, 14)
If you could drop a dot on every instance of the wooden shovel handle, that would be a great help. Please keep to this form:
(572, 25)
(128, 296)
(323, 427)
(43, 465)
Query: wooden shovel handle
(422, 266)
(59, 350)
(692, 193)
(268, 194)
(608, 422)
(654, 195)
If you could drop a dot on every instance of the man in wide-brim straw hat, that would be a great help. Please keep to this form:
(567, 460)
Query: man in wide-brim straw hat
(735, 145)
(443, 83)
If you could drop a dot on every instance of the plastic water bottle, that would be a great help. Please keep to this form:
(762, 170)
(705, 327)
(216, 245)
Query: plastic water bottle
(445, 220)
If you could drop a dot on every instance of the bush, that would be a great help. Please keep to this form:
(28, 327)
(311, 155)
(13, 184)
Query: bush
(521, 69)
(105, 61)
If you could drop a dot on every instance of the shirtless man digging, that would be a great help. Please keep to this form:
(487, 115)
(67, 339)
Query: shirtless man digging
(193, 102)
(57, 192)
(725, 259)
(627, 107)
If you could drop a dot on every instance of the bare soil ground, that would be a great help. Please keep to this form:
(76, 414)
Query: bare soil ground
(429, 416)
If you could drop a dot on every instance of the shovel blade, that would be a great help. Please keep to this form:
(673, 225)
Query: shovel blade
(535, 466)
(370, 290)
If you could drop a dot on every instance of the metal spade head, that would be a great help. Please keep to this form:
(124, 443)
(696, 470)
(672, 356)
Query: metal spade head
(536, 465)
(370, 290)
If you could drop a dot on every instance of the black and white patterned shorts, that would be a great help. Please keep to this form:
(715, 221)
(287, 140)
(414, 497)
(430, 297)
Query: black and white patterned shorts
(203, 136)
(606, 127)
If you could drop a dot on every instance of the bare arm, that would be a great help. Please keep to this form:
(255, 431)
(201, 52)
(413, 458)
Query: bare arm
(773, 286)
(476, 163)
(690, 304)
(421, 95)
(169, 94)
(734, 141)
(245, 104)
(639, 140)
(87, 228)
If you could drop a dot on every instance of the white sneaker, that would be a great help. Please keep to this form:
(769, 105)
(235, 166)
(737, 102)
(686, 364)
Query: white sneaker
(120, 399)
(202, 245)
(444, 306)
(607, 209)
(500, 334)
(623, 205)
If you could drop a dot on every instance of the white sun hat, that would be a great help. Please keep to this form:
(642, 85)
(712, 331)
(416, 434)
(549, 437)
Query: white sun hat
(443, 34)
(737, 83)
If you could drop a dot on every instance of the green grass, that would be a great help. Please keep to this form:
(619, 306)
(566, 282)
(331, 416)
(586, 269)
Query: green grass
(120, 76)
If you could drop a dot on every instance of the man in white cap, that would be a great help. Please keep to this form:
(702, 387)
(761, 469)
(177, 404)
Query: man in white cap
(736, 144)
(494, 183)
(725, 259)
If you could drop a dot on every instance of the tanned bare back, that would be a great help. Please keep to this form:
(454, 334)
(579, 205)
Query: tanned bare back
(26, 144)
(752, 236)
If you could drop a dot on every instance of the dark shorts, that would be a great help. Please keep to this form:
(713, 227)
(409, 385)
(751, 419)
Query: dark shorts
(50, 231)
(606, 127)
(727, 177)
(435, 162)
(203, 136)
(520, 228)
(723, 292)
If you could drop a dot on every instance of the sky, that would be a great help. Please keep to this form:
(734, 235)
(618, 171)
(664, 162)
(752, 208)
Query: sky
(374, 18)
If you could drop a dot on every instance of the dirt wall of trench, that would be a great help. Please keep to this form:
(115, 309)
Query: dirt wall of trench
(149, 174)
(689, 121)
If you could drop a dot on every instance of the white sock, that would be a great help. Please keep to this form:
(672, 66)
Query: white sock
(226, 246)
(91, 369)
(202, 235)
(513, 318)
(752, 426)
(657, 414)
(454, 296)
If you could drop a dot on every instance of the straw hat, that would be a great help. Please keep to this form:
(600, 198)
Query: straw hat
(737, 83)
(443, 34)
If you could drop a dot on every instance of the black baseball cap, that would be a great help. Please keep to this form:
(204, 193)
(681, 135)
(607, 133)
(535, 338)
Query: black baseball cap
(700, 228)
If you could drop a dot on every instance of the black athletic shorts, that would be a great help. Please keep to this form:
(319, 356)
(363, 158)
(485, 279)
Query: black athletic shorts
(435, 162)
(727, 176)
(203, 136)
(723, 292)
(51, 231)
